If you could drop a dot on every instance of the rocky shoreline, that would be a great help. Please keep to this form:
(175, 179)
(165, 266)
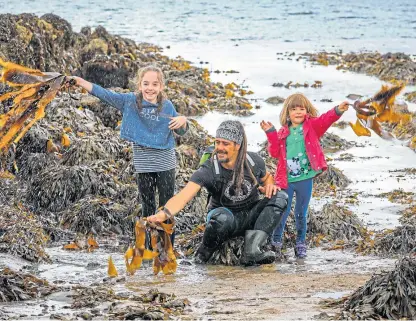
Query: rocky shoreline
(53, 195)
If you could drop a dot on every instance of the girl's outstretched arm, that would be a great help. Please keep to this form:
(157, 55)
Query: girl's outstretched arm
(322, 123)
(112, 98)
(271, 133)
(83, 83)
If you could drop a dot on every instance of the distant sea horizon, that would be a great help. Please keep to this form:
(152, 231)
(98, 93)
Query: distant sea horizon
(358, 25)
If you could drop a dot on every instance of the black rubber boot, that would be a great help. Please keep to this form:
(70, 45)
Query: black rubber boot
(203, 254)
(253, 241)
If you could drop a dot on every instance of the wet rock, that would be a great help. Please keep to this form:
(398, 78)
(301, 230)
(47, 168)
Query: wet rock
(40, 43)
(332, 143)
(59, 316)
(93, 266)
(410, 97)
(394, 66)
(108, 71)
(399, 196)
(243, 113)
(341, 124)
(111, 117)
(85, 316)
(154, 315)
(276, 100)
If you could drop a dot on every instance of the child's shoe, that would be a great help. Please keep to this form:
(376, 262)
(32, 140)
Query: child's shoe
(300, 250)
(277, 249)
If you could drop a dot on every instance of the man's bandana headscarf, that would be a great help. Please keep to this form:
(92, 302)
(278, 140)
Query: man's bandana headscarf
(230, 130)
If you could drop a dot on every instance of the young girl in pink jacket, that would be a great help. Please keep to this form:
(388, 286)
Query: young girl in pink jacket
(300, 158)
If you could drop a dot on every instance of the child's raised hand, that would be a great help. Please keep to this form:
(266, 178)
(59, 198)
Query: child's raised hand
(266, 125)
(343, 106)
(177, 122)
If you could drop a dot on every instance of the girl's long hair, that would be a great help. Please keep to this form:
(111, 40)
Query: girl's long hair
(294, 100)
(241, 163)
(161, 96)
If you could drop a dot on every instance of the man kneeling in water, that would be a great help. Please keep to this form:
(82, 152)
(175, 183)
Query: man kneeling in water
(232, 176)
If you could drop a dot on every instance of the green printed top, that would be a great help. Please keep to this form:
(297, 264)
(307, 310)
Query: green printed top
(298, 165)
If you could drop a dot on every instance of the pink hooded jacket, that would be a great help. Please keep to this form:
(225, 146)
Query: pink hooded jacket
(313, 129)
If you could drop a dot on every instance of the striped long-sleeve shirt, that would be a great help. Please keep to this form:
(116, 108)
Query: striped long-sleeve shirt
(149, 160)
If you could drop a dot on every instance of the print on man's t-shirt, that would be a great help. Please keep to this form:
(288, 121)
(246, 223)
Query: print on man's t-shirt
(242, 195)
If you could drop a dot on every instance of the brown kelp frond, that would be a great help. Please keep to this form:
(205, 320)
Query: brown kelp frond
(12, 70)
(35, 90)
(157, 237)
(379, 108)
(387, 95)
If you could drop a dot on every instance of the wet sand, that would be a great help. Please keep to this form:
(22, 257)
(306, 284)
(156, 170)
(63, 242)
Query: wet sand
(275, 291)
(263, 295)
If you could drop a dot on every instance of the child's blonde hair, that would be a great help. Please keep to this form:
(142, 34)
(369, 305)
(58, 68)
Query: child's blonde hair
(295, 100)
(160, 76)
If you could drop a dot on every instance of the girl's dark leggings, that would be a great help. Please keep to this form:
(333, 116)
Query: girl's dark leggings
(164, 182)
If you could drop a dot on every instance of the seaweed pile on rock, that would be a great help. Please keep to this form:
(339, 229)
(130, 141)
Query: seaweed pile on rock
(21, 234)
(389, 295)
(17, 286)
(333, 227)
(49, 43)
(337, 224)
(104, 302)
(398, 241)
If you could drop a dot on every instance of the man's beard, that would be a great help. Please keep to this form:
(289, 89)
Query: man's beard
(222, 160)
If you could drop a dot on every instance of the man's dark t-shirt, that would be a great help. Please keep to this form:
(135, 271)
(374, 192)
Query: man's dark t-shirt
(249, 195)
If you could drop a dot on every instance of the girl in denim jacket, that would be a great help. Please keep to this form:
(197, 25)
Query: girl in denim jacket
(149, 120)
(300, 158)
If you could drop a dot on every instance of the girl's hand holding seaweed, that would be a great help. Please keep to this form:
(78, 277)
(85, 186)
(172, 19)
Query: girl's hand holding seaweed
(343, 106)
